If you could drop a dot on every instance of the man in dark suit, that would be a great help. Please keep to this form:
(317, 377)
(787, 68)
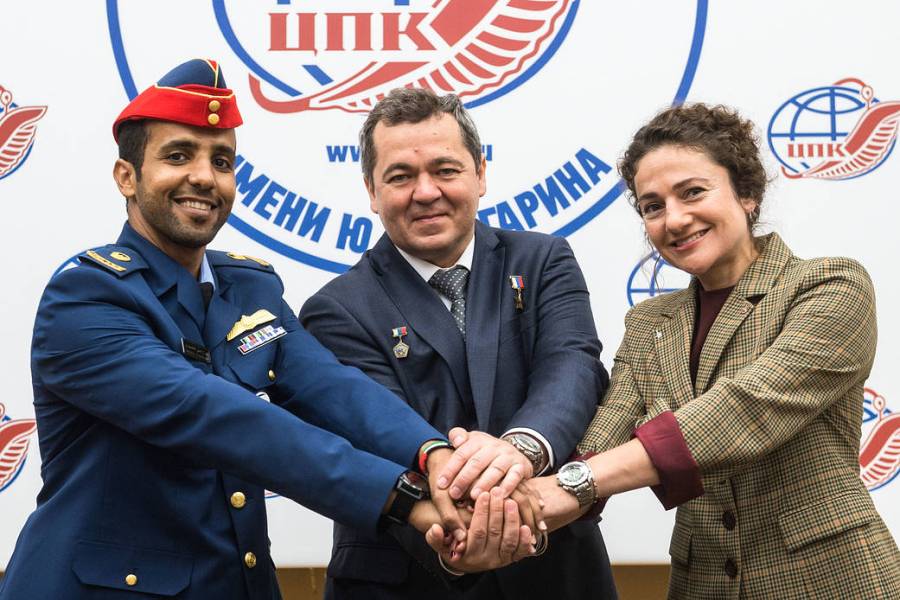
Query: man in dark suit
(474, 327)
(172, 385)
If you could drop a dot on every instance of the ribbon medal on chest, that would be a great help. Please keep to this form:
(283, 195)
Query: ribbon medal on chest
(401, 350)
(257, 338)
(260, 338)
(517, 283)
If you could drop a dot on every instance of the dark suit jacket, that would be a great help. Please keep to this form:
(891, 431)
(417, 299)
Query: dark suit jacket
(538, 368)
(144, 447)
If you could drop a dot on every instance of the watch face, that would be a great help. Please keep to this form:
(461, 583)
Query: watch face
(528, 443)
(572, 474)
(415, 480)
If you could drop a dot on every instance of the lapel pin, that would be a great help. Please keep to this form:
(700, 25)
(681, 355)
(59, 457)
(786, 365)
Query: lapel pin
(401, 350)
(517, 283)
(658, 334)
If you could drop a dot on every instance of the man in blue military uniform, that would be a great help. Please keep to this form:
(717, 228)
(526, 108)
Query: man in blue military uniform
(168, 382)
(475, 327)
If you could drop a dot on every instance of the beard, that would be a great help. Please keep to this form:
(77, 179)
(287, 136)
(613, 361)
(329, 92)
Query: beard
(196, 232)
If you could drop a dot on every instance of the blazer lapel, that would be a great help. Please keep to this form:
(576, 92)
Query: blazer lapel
(190, 298)
(733, 313)
(421, 308)
(483, 320)
(673, 346)
(753, 285)
(164, 274)
(220, 317)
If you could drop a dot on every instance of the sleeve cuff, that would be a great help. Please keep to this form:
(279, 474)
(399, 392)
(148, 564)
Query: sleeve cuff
(679, 474)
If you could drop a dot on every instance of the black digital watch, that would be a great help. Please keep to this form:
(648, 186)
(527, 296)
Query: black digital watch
(410, 488)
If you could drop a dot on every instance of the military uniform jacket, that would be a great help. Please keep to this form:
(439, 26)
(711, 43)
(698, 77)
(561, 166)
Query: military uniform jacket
(155, 456)
(773, 422)
(537, 368)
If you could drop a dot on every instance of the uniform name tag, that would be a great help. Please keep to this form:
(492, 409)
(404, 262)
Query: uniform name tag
(195, 351)
(260, 338)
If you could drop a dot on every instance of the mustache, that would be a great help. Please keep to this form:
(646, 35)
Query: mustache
(208, 195)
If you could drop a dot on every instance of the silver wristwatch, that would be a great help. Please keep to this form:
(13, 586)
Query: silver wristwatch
(529, 447)
(577, 478)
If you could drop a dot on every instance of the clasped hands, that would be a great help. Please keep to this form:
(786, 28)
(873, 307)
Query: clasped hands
(483, 513)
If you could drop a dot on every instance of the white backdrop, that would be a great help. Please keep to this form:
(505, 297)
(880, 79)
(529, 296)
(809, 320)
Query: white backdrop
(555, 104)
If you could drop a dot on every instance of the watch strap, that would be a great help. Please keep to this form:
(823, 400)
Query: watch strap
(409, 489)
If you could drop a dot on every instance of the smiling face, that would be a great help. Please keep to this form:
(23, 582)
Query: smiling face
(186, 188)
(425, 188)
(693, 216)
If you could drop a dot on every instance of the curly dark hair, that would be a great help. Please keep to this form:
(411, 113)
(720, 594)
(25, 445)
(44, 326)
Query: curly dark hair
(718, 131)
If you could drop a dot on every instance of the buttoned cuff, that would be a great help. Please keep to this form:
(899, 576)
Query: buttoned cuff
(679, 474)
(547, 447)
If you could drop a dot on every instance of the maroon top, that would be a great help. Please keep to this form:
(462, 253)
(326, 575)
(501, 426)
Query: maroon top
(679, 474)
(708, 306)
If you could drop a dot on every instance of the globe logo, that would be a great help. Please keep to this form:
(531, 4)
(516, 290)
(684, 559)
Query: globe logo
(835, 132)
(653, 276)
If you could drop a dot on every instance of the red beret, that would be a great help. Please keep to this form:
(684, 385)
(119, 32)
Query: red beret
(193, 93)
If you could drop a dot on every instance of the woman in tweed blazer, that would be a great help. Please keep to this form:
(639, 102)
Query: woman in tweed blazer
(756, 439)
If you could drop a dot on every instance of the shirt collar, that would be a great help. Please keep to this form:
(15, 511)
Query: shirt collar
(425, 269)
(206, 272)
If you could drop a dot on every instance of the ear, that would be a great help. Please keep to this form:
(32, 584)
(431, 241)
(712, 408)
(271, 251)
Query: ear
(749, 205)
(482, 180)
(370, 189)
(125, 177)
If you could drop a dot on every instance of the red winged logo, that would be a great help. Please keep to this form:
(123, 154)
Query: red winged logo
(13, 445)
(17, 128)
(484, 42)
(865, 147)
(879, 455)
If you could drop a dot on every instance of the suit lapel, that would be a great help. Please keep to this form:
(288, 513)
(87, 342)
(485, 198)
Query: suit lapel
(421, 308)
(673, 345)
(483, 320)
(733, 313)
(753, 285)
(190, 298)
(220, 317)
(185, 303)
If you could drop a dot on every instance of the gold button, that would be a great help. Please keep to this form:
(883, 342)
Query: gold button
(250, 560)
(213, 119)
(120, 256)
(238, 500)
(131, 579)
(214, 105)
(271, 375)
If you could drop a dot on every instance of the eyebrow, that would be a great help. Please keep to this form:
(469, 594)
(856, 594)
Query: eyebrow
(191, 145)
(441, 160)
(684, 183)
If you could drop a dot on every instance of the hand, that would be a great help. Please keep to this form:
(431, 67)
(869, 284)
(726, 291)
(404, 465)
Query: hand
(480, 463)
(559, 506)
(424, 516)
(450, 519)
(495, 538)
(531, 508)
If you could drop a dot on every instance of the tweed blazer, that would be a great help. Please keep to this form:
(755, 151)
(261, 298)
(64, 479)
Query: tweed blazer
(773, 421)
